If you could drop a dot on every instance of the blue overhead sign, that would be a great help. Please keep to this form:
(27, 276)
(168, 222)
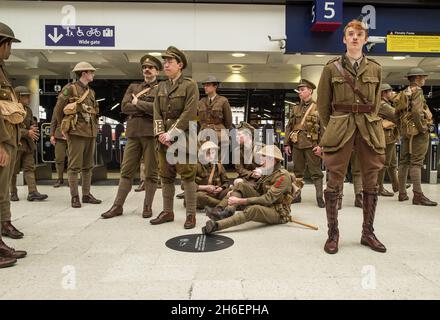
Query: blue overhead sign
(381, 21)
(80, 36)
(326, 15)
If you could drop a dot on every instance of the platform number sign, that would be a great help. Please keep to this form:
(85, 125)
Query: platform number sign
(326, 15)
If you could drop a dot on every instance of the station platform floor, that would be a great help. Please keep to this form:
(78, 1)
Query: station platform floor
(73, 254)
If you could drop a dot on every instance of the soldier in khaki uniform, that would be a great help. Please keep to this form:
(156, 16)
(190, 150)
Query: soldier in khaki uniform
(9, 140)
(80, 126)
(214, 110)
(348, 103)
(211, 179)
(302, 138)
(389, 123)
(141, 145)
(248, 164)
(175, 107)
(60, 144)
(268, 202)
(414, 126)
(26, 151)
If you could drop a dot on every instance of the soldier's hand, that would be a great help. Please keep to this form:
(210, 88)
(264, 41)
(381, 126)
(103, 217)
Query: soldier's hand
(53, 141)
(217, 190)
(64, 135)
(287, 150)
(235, 201)
(256, 173)
(135, 99)
(34, 135)
(165, 138)
(317, 151)
(4, 156)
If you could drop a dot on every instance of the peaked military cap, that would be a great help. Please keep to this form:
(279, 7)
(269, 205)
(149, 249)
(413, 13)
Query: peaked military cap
(211, 79)
(306, 83)
(22, 91)
(149, 60)
(173, 52)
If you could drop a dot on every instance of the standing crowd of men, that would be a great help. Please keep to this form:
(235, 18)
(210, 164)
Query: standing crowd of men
(356, 119)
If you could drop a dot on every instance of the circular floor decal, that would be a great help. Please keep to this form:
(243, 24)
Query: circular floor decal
(199, 243)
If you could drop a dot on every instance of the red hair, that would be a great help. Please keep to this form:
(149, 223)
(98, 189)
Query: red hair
(357, 25)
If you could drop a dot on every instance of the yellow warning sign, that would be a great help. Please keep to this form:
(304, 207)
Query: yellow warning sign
(412, 42)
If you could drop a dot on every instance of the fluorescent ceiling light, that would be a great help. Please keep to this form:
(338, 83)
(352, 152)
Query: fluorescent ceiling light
(155, 54)
(70, 52)
(115, 106)
(99, 100)
(399, 58)
(238, 55)
(236, 71)
(319, 55)
(237, 66)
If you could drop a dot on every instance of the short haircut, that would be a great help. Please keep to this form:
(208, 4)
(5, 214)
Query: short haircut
(357, 25)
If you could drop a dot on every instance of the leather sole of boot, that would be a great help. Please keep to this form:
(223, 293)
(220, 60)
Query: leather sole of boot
(426, 205)
(11, 236)
(189, 227)
(331, 252)
(7, 265)
(156, 223)
(112, 216)
(146, 216)
(365, 243)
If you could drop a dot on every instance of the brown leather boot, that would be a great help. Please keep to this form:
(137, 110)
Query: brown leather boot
(58, 183)
(141, 187)
(218, 213)
(384, 192)
(210, 227)
(14, 196)
(75, 202)
(8, 230)
(163, 217)
(88, 198)
(368, 238)
(358, 200)
(8, 252)
(148, 212)
(403, 197)
(331, 206)
(190, 221)
(115, 210)
(7, 262)
(421, 200)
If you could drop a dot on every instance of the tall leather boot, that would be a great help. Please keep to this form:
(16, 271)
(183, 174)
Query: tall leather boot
(403, 176)
(190, 188)
(150, 191)
(319, 192)
(331, 207)
(368, 238)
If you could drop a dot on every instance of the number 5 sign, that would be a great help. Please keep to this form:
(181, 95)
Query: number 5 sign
(326, 15)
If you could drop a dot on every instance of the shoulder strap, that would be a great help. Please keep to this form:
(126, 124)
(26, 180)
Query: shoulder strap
(350, 81)
(84, 96)
(146, 90)
(211, 176)
(303, 120)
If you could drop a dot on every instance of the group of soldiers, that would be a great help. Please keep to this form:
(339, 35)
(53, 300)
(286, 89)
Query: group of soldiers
(356, 119)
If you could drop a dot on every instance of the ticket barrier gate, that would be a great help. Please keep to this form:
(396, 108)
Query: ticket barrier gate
(430, 165)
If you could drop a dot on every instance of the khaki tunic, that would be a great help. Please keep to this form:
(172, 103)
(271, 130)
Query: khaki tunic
(174, 107)
(340, 126)
(307, 139)
(219, 179)
(216, 116)
(244, 168)
(413, 150)
(9, 138)
(268, 202)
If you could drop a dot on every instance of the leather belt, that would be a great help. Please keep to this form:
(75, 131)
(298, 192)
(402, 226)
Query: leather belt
(355, 108)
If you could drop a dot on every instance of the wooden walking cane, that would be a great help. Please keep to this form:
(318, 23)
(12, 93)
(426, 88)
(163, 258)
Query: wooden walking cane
(303, 224)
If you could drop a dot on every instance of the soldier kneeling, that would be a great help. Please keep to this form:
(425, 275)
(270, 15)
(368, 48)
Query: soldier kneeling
(268, 202)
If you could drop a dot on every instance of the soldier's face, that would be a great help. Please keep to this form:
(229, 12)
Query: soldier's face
(304, 93)
(5, 50)
(25, 100)
(149, 72)
(267, 162)
(89, 75)
(421, 80)
(243, 136)
(209, 88)
(210, 155)
(171, 67)
(355, 39)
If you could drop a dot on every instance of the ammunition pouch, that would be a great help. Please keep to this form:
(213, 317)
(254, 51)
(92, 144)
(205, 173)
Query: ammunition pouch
(69, 123)
(408, 126)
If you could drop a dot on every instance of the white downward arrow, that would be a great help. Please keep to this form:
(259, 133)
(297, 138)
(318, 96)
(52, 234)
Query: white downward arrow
(55, 37)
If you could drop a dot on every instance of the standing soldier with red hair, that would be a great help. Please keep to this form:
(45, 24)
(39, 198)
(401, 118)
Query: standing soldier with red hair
(348, 102)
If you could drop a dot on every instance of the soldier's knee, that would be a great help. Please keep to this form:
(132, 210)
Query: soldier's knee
(251, 212)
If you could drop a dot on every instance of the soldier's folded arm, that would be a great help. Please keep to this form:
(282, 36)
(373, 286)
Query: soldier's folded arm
(189, 112)
(387, 112)
(275, 192)
(417, 110)
(325, 96)
(126, 106)
(145, 107)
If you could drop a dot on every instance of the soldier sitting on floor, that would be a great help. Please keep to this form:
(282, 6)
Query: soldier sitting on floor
(268, 202)
(211, 179)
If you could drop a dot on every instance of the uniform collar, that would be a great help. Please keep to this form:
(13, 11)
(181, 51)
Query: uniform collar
(149, 84)
(82, 85)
